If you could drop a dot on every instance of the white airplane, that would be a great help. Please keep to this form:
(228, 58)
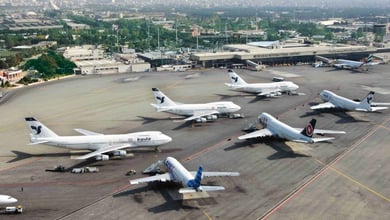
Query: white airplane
(335, 101)
(274, 127)
(273, 89)
(189, 180)
(197, 112)
(5, 200)
(346, 64)
(351, 64)
(101, 145)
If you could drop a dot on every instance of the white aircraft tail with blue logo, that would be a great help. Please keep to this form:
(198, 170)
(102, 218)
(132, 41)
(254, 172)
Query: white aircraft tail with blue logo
(236, 80)
(194, 184)
(163, 102)
(38, 130)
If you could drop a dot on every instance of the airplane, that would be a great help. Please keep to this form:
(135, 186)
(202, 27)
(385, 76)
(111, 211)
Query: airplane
(197, 112)
(274, 127)
(346, 64)
(273, 89)
(338, 102)
(190, 180)
(5, 200)
(101, 145)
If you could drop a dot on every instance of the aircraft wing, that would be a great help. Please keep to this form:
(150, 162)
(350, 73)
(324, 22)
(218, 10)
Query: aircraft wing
(201, 188)
(86, 132)
(160, 177)
(38, 142)
(200, 114)
(268, 91)
(322, 139)
(315, 140)
(213, 174)
(322, 131)
(378, 108)
(260, 133)
(323, 105)
(103, 150)
(372, 63)
(379, 103)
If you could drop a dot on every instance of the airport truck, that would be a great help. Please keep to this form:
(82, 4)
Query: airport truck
(85, 170)
(14, 209)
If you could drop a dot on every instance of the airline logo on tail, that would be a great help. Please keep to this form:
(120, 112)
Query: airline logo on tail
(195, 183)
(369, 58)
(161, 99)
(370, 97)
(309, 129)
(37, 129)
(235, 79)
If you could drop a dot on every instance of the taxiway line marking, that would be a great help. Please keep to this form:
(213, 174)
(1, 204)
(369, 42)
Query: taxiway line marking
(358, 183)
(294, 193)
(207, 215)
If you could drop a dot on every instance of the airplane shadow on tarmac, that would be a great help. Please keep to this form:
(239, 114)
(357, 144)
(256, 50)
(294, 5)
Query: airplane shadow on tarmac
(254, 99)
(344, 116)
(282, 149)
(168, 191)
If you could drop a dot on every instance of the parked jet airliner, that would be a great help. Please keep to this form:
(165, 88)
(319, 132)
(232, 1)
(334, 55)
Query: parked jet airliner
(189, 180)
(338, 102)
(197, 112)
(5, 200)
(273, 89)
(346, 64)
(274, 127)
(99, 144)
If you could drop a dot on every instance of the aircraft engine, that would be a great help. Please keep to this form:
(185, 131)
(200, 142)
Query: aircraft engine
(236, 115)
(102, 157)
(211, 117)
(201, 120)
(121, 153)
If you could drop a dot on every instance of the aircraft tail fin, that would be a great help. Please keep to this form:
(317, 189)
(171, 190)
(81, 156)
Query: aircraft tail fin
(309, 129)
(195, 183)
(369, 58)
(38, 130)
(236, 79)
(365, 104)
(161, 99)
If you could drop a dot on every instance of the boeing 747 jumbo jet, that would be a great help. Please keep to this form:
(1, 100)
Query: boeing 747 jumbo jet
(274, 127)
(197, 112)
(338, 102)
(5, 200)
(273, 89)
(190, 180)
(101, 145)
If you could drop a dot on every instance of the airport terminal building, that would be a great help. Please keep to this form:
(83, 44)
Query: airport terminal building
(236, 55)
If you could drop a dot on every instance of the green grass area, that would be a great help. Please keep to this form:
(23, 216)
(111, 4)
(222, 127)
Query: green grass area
(6, 53)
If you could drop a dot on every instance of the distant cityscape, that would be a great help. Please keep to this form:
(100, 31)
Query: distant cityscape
(117, 36)
(64, 4)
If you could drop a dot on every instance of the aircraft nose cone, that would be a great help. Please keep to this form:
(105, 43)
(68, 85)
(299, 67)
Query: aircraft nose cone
(13, 200)
(237, 107)
(167, 138)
